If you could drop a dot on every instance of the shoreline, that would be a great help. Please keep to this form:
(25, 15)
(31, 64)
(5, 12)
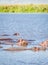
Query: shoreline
(23, 13)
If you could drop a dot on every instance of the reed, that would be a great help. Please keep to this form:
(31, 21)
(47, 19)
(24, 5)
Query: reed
(24, 8)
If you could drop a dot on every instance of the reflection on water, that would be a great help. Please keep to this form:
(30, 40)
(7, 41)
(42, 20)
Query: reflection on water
(30, 27)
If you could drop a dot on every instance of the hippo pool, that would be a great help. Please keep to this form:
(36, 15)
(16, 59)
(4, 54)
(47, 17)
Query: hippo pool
(30, 27)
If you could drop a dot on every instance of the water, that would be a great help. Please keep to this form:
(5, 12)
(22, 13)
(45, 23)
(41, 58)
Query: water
(30, 27)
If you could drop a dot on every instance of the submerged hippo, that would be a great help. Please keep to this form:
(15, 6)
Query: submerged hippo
(5, 35)
(44, 44)
(38, 49)
(22, 42)
(16, 34)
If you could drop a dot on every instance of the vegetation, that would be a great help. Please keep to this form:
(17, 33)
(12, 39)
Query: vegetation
(24, 8)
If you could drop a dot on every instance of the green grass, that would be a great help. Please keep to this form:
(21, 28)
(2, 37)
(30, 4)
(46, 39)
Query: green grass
(28, 8)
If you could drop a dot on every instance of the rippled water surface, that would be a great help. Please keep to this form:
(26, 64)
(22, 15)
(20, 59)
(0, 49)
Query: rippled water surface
(30, 27)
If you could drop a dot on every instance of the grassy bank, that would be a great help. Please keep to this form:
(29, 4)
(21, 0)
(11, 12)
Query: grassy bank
(28, 8)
